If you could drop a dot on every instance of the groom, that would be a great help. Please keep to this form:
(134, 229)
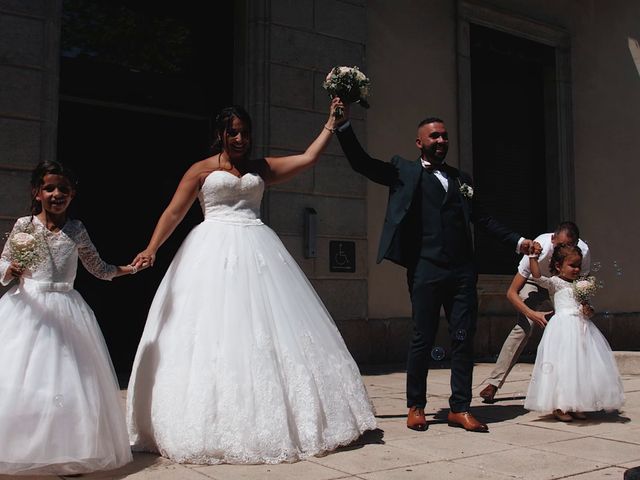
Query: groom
(427, 231)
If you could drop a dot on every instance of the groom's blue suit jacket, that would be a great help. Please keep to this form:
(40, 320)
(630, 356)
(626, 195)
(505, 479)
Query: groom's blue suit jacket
(401, 245)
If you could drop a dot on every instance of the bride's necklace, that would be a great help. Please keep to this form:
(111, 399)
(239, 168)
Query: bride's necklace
(227, 166)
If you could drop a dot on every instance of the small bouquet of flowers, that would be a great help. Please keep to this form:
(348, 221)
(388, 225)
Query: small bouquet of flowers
(466, 190)
(584, 288)
(348, 83)
(27, 247)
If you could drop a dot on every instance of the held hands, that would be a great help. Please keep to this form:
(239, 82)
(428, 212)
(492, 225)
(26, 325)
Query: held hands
(144, 259)
(536, 249)
(338, 114)
(525, 246)
(530, 247)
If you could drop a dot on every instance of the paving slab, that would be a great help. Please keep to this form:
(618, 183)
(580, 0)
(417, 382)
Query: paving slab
(520, 444)
(596, 423)
(629, 436)
(531, 464)
(371, 458)
(601, 450)
(609, 473)
(435, 470)
(146, 466)
(293, 471)
(451, 446)
(524, 435)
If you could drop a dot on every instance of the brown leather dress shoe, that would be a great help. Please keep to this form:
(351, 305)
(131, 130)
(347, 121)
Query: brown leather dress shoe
(488, 393)
(467, 421)
(416, 419)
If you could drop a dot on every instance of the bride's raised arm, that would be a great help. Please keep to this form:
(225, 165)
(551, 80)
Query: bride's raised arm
(281, 169)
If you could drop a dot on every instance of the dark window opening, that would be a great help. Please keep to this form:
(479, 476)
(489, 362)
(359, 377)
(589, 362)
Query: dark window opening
(513, 94)
(140, 82)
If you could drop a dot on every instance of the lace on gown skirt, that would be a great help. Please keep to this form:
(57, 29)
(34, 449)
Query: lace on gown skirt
(240, 362)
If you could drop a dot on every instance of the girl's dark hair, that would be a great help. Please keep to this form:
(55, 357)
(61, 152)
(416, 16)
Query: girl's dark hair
(49, 167)
(560, 252)
(223, 121)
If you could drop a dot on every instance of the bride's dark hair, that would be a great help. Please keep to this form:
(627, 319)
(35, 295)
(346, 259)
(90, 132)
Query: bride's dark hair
(223, 121)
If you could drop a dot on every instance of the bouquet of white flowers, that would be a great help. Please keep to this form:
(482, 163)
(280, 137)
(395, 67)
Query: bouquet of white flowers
(27, 247)
(466, 190)
(584, 288)
(348, 83)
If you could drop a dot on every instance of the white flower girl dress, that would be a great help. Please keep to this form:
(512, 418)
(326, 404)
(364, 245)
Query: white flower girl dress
(575, 370)
(60, 407)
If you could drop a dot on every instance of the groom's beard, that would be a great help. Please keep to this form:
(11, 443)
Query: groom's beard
(435, 154)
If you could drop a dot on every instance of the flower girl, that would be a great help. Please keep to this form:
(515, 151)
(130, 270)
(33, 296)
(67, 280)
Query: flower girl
(575, 371)
(60, 409)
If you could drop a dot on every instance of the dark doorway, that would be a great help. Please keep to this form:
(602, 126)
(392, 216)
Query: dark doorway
(139, 85)
(513, 82)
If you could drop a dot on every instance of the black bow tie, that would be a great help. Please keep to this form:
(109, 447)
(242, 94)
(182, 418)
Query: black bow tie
(434, 168)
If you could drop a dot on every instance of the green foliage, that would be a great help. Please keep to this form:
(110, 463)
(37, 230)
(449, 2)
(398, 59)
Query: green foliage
(118, 35)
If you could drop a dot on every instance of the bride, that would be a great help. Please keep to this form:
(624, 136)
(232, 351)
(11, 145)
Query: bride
(239, 361)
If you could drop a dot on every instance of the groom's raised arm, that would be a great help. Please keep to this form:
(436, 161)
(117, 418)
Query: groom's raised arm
(375, 170)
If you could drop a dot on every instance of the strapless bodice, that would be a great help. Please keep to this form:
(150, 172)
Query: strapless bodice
(227, 198)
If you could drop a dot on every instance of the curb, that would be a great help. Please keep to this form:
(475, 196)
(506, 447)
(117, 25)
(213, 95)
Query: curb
(628, 362)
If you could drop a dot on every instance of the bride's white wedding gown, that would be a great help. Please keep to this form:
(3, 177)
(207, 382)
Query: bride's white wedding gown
(239, 361)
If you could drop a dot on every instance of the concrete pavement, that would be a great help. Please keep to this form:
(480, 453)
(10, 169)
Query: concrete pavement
(520, 444)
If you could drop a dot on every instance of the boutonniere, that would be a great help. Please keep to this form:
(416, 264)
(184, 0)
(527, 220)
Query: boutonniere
(466, 190)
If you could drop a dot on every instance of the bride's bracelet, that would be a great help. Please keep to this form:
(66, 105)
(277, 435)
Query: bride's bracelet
(331, 130)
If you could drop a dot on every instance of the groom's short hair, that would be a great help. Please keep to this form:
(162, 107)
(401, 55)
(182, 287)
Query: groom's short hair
(570, 229)
(429, 120)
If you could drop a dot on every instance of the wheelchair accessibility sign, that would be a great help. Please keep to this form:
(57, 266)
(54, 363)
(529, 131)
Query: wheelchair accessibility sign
(342, 256)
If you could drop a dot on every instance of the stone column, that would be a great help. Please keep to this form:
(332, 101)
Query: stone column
(288, 48)
(29, 71)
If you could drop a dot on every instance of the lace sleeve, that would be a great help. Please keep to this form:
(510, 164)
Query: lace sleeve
(5, 259)
(546, 282)
(90, 257)
(5, 262)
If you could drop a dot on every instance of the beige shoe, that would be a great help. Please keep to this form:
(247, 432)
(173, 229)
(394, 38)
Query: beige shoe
(562, 416)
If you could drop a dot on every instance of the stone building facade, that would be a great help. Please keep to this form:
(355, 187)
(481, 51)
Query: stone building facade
(418, 57)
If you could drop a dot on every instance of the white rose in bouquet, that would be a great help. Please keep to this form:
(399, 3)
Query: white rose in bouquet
(348, 83)
(584, 288)
(23, 241)
(27, 248)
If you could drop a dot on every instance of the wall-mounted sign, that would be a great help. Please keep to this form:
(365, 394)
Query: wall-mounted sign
(342, 256)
